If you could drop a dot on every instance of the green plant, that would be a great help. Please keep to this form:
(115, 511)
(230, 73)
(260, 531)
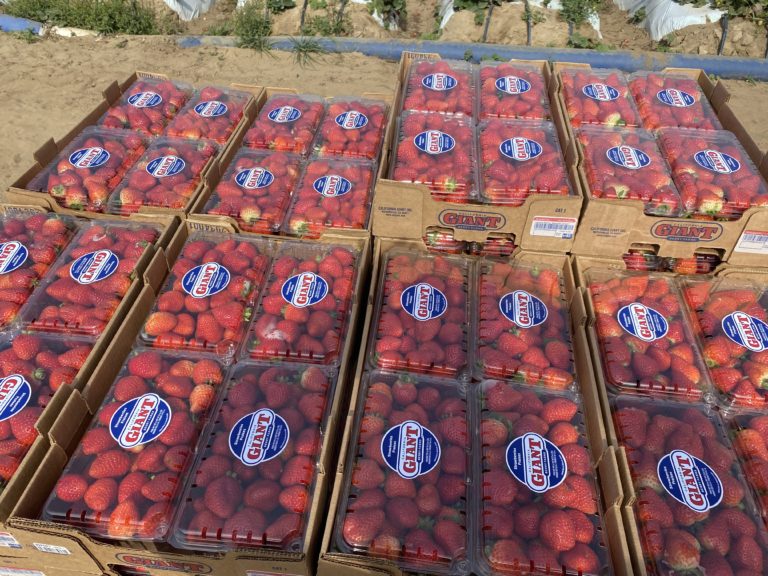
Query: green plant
(477, 7)
(29, 36)
(253, 25)
(391, 11)
(468, 55)
(532, 15)
(638, 16)
(103, 16)
(584, 43)
(226, 28)
(306, 51)
(329, 24)
(277, 6)
(576, 12)
(493, 58)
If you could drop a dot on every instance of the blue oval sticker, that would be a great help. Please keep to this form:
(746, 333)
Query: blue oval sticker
(259, 437)
(523, 309)
(332, 185)
(536, 462)
(15, 393)
(284, 114)
(410, 449)
(140, 420)
(205, 280)
(254, 178)
(628, 157)
(92, 157)
(675, 98)
(145, 99)
(352, 120)
(642, 322)
(305, 289)
(12, 255)
(211, 109)
(600, 92)
(520, 149)
(439, 82)
(746, 331)
(163, 166)
(512, 85)
(690, 481)
(716, 161)
(94, 266)
(434, 142)
(423, 301)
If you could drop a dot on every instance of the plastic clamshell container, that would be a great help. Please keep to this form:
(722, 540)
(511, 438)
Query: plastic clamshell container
(748, 432)
(519, 158)
(304, 309)
(671, 101)
(645, 337)
(147, 106)
(167, 176)
(692, 507)
(88, 169)
(731, 321)
(623, 164)
(29, 246)
(522, 325)
(546, 523)
(253, 483)
(332, 194)
(698, 264)
(211, 114)
(86, 286)
(421, 322)
(438, 151)
(208, 299)
(125, 479)
(715, 176)
(256, 190)
(444, 86)
(407, 505)
(32, 368)
(287, 123)
(441, 240)
(513, 90)
(352, 128)
(598, 96)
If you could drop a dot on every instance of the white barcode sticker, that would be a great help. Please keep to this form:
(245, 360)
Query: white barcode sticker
(553, 227)
(8, 541)
(51, 549)
(753, 242)
(5, 571)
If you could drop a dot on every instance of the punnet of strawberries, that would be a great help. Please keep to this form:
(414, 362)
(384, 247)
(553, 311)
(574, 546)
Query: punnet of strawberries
(211, 114)
(305, 305)
(352, 128)
(287, 123)
(642, 260)
(519, 158)
(209, 297)
(445, 86)
(125, 479)
(256, 190)
(523, 330)
(671, 101)
(598, 96)
(406, 505)
(166, 176)
(731, 321)
(89, 281)
(625, 164)
(644, 335)
(253, 484)
(147, 106)
(714, 174)
(332, 194)
(442, 240)
(29, 245)
(539, 500)
(32, 368)
(421, 317)
(513, 90)
(749, 434)
(693, 509)
(88, 169)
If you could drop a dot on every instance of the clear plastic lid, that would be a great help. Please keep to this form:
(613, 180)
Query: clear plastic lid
(748, 432)
(125, 479)
(445, 86)
(352, 128)
(539, 506)
(253, 484)
(523, 331)
(731, 321)
(623, 164)
(672, 101)
(598, 96)
(211, 114)
(406, 493)
(86, 286)
(29, 245)
(441, 240)
(646, 342)
(438, 151)
(209, 297)
(147, 106)
(693, 510)
(88, 169)
(32, 367)
(519, 158)
(166, 176)
(256, 190)
(715, 176)
(305, 306)
(422, 317)
(513, 90)
(287, 123)
(331, 194)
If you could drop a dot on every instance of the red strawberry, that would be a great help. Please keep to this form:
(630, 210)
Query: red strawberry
(101, 494)
(71, 488)
(362, 526)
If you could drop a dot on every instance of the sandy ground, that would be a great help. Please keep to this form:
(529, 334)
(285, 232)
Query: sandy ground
(749, 101)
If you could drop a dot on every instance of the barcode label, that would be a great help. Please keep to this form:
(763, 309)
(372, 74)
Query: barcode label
(563, 228)
(51, 549)
(4, 571)
(753, 242)
(8, 541)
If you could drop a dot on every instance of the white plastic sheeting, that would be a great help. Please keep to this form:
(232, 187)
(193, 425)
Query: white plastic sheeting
(663, 17)
(191, 9)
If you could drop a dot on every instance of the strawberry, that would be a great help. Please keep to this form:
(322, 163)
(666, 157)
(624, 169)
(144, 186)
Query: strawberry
(594, 96)
(286, 123)
(557, 531)
(445, 86)
(361, 527)
(669, 100)
(101, 494)
(71, 488)
(682, 551)
(513, 90)
(212, 114)
(146, 106)
(352, 128)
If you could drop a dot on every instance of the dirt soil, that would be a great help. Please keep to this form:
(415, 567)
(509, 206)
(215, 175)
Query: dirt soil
(749, 101)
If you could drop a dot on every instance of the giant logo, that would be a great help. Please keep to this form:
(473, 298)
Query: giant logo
(94, 266)
(690, 481)
(140, 420)
(536, 462)
(746, 331)
(423, 301)
(205, 280)
(259, 437)
(305, 289)
(523, 309)
(410, 449)
(643, 322)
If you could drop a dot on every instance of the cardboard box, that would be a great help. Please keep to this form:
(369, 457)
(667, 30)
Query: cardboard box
(90, 556)
(18, 194)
